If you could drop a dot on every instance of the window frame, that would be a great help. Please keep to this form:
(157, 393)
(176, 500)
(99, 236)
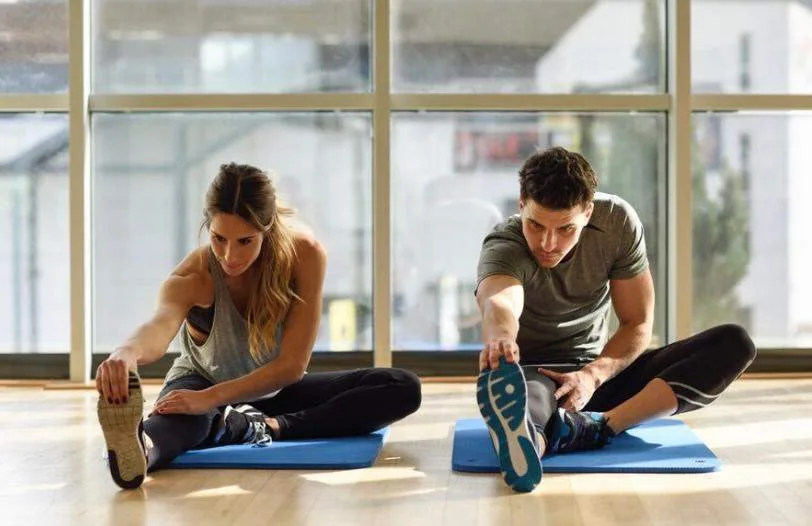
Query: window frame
(678, 103)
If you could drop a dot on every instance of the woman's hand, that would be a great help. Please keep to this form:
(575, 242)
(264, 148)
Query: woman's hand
(185, 402)
(112, 380)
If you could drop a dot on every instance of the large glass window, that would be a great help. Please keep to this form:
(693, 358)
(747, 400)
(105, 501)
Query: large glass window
(758, 46)
(150, 175)
(455, 176)
(34, 262)
(558, 46)
(453, 165)
(33, 46)
(231, 46)
(752, 242)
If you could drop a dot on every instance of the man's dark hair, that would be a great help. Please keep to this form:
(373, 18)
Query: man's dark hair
(557, 179)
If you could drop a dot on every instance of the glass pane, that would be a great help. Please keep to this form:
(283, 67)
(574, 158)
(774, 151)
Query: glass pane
(33, 46)
(752, 242)
(231, 46)
(150, 175)
(455, 175)
(528, 46)
(757, 46)
(35, 253)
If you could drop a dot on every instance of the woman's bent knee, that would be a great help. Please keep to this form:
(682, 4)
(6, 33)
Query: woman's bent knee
(411, 388)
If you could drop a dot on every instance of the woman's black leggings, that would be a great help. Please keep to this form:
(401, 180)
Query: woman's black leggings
(320, 405)
(697, 369)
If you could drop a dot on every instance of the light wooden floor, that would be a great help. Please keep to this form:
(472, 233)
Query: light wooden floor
(52, 472)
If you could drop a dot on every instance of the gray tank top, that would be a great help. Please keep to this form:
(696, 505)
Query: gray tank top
(225, 353)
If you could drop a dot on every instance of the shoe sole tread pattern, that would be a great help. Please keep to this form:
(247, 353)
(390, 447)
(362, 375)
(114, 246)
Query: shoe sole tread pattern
(502, 400)
(122, 426)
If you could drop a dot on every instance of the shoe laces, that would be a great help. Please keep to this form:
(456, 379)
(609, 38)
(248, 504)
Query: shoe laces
(261, 436)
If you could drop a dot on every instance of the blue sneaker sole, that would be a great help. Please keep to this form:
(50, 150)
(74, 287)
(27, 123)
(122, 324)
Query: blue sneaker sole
(502, 398)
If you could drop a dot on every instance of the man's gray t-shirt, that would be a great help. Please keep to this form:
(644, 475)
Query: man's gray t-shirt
(566, 308)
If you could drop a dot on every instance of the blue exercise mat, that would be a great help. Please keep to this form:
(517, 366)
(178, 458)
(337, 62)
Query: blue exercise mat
(331, 453)
(665, 445)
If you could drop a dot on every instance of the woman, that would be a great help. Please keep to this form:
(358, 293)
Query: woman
(248, 308)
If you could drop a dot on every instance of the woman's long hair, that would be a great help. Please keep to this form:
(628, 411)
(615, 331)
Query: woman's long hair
(248, 192)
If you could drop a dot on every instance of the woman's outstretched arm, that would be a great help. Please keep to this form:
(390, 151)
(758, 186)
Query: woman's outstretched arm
(150, 340)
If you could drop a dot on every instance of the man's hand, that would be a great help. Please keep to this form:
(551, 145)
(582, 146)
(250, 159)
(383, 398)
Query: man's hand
(576, 388)
(184, 402)
(489, 357)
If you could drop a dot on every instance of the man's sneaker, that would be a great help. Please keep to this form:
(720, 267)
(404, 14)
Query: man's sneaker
(502, 398)
(123, 428)
(244, 424)
(579, 431)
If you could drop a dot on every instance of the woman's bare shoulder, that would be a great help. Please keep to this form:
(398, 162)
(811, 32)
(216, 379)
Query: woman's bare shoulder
(311, 259)
(308, 248)
(196, 263)
(192, 275)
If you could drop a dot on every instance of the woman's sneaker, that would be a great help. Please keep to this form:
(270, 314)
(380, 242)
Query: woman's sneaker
(502, 398)
(123, 428)
(244, 424)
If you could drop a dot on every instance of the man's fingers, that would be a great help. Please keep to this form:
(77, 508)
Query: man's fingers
(561, 391)
(516, 356)
(496, 351)
(489, 358)
(575, 401)
(483, 359)
(557, 377)
(494, 361)
(567, 399)
(493, 356)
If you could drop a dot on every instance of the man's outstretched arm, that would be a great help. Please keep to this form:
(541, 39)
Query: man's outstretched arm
(501, 299)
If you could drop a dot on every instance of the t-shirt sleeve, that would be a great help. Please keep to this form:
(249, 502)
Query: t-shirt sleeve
(501, 255)
(631, 257)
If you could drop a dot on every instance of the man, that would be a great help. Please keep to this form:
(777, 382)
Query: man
(546, 280)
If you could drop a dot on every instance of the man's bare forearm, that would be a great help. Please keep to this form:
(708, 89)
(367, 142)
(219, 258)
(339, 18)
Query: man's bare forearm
(498, 320)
